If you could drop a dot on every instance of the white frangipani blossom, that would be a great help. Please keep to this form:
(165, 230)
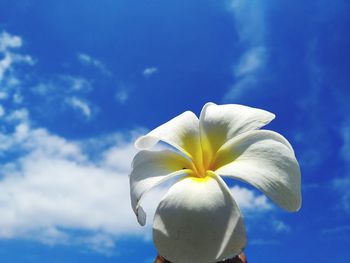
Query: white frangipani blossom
(198, 220)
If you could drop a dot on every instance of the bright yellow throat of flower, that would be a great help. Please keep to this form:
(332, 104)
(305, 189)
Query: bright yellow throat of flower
(201, 171)
(203, 164)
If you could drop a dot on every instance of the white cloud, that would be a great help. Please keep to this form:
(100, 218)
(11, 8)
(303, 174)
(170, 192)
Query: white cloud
(119, 157)
(8, 41)
(249, 21)
(55, 187)
(65, 193)
(248, 200)
(147, 72)
(80, 105)
(90, 61)
(280, 226)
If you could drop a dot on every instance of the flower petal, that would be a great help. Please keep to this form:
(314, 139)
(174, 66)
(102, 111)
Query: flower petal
(181, 132)
(151, 168)
(198, 221)
(266, 160)
(219, 123)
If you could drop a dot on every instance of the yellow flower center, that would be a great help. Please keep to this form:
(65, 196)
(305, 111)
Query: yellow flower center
(203, 163)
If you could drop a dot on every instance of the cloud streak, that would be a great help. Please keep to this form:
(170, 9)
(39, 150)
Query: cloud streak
(88, 60)
(250, 26)
(80, 105)
(147, 72)
(8, 43)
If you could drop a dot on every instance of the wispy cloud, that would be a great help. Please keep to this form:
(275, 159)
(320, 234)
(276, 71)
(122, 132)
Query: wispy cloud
(280, 226)
(147, 72)
(61, 85)
(316, 127)
(76, 83)
(67, 89)
(82, 106)
(9, 57)
(341, 186)
(10, 61)
(250, 25)
(8, 41)
(61, 91)
(88, 60)
(311, 102)
(247, 73)
(250, 62)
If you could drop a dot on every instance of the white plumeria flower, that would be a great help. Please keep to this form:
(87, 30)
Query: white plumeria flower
(198, 220)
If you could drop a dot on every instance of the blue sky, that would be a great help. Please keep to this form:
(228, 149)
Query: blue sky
(80, 80)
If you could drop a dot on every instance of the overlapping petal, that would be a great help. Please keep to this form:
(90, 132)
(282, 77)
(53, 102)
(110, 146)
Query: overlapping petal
(198, 221)
(151, 168)
(220, 123)
(181, 132)
(266, 160)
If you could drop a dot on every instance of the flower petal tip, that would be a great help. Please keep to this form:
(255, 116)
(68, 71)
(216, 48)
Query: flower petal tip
(145, 142)
(297, 205)
(273, 116)
(293, 205)
(141, 216)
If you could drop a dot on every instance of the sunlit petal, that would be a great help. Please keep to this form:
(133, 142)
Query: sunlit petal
(198, 221)
(266, 160)
(151, 168)
(219, 123)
